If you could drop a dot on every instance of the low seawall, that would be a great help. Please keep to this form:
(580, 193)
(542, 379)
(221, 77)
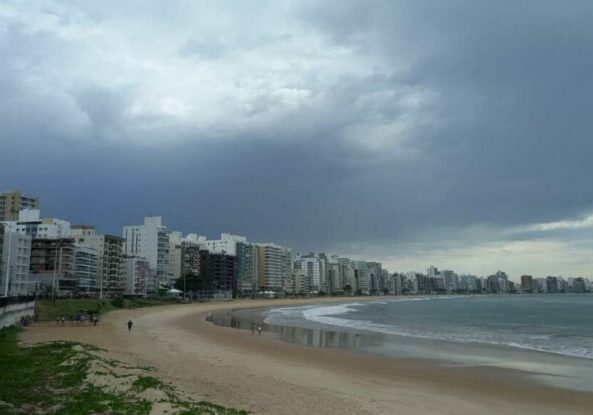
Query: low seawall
(11, 312)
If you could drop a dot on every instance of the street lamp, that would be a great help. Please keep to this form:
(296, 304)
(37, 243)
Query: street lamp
(58, 243)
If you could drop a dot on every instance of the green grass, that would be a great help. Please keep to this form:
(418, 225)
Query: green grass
(146, 302)
(52, 378)
(48, 310)
(51, 310)
(146, 382)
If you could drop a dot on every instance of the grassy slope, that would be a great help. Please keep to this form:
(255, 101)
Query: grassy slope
(50, 310)
(57, 378)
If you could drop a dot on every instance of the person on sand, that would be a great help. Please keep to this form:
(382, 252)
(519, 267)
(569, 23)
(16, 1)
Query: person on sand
(130, 325)
(259, 329)
(252, 329)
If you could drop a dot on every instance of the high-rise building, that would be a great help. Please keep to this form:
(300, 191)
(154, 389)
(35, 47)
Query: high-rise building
(137, 276)
(29, 223)
(451, 280)
(334, 282)
(577, 285)
(15, 256)
(245, 269)
(469, 284)
(363, 277)
(262, 267)
(324, 284)
(1, 242)
(499, 283)
(297, 283)
(175, 252)
(432, 272)
(314, 268)
(375, 270)
(395, 283)
(347, 276)
(556, 284)
(52, 266)
(109, 251)
(12, 202)
(218, 273)
(274, 265)
(190, 259)
(85, 269)
(150, 241)
(527, 283)
(227, 244)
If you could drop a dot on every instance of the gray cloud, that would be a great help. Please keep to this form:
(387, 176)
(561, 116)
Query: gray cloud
(393, 129)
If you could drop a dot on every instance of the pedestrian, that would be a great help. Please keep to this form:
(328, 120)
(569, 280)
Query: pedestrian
(253, 329)
(130, 324)
(259, 329)
(95, 320)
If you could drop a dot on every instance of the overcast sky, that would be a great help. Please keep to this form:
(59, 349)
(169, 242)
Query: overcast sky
(450, 133)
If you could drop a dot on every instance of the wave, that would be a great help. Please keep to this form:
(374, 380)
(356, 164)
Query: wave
(336, 316)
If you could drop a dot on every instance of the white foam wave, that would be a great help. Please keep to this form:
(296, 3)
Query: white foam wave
(334, 315)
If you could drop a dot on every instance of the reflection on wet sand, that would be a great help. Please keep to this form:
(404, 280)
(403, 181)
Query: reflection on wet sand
(314, 337)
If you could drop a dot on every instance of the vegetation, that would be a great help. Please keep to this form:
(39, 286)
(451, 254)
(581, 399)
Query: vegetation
(69, 378)
(149, 302)
(51, 310)
(146, 382)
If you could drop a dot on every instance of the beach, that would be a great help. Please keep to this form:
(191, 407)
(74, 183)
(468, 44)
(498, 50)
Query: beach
(266, 376)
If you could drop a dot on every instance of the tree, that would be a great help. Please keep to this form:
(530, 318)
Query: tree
(190, 282)
(348, 289)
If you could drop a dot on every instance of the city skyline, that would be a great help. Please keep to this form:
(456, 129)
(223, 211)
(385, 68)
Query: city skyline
(225, 245)
(411, 133)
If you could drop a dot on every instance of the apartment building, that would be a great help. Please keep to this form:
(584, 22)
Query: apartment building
(109, 252)
(12, 202)
(15, 254)
(150, 241)
(137, 276)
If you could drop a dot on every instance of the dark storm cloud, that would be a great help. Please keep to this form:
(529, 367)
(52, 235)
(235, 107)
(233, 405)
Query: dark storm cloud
(382, 126)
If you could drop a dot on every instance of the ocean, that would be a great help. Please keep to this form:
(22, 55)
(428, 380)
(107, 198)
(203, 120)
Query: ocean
(561, 324)
(547, 338)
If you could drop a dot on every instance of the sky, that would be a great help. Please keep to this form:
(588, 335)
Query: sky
(416, 133)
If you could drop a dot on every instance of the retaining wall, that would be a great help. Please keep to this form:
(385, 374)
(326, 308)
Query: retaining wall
(11, 313)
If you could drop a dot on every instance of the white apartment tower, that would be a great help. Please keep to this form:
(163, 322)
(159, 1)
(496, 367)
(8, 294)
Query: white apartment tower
(30, 223)
(14, 272)
(227, 244)
(174, 266)
(311, 266)
(137, 276)
(150, 241)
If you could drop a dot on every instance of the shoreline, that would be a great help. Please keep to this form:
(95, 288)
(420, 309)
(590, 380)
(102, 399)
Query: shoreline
(265, 375)
(541, 366)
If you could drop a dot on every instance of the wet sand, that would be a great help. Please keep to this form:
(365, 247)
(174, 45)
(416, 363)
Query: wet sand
(267, 376)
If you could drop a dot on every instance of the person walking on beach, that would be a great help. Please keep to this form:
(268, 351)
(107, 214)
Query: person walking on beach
(259, 329)
(130, 325)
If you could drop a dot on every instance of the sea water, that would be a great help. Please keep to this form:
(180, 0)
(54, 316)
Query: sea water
(549, 337)
(561, 324)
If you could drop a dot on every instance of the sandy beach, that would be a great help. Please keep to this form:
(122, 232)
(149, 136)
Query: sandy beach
(266, 376)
